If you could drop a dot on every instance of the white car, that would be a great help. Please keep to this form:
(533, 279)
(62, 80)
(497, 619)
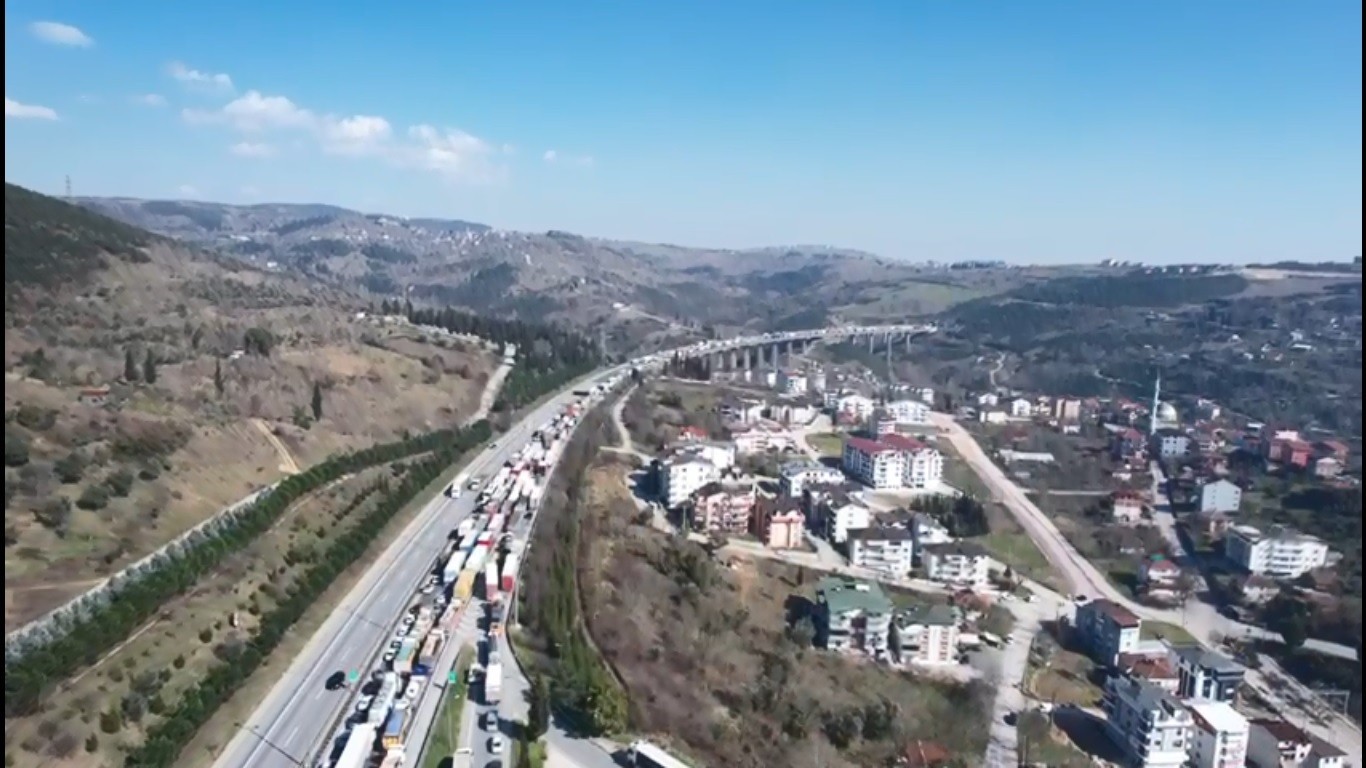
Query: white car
(363, 703)
(491, 720)
(496, 745)
(389, 657)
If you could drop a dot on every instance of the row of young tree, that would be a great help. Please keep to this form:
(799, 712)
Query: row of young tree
(539, 346)
(524, 386)
(166, 739)
(581, 686)
(695, 368)
(85, 639)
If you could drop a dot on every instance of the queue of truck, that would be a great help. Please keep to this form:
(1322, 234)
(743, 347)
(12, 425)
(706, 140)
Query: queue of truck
(479, 554)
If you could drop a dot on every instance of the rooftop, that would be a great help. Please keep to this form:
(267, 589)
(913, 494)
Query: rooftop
(936, 615)
(1281, 730)
(1147, 667)
(864, 445)
(966, 549)
(1146, 696)
(880, 533)
(1218, 717)
(1116, 612)
(845, 595)
(1207, 659)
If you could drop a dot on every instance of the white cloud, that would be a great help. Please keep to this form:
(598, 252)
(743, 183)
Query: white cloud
(451, 153)
(20, 111)
(57, 33)
(193, 77)
(252, 149)
(554, 156)
(150, 100)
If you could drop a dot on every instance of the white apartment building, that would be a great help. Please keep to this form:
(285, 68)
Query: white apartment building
(1278, 744)
(1149, 725)
(957, 564)
(846, 518)
(1281, 553)
(762, 437)
(1220, 736)
(893, 461)
(928, 635)
(908, 411)
(680, 476)
(795, 477)
(853, 615)
(886, 550)
(792, 382)
(856, 405)
(1220, 496)
(926, 395)
(926, 531)
(1021, 408)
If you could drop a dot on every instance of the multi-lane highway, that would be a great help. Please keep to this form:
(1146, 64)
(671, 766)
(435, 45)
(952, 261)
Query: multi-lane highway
(290, 725)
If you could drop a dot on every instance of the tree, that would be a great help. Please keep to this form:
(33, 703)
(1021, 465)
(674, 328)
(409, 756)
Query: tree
(70, 467)
(538, 707)
(149, 368)
(802, 633)
(218, 384)
(92, 743)
(317, 401)
(130, 366)
(524, 746)
(16, 449)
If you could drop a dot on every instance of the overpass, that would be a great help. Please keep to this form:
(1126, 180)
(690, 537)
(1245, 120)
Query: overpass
(747, 352)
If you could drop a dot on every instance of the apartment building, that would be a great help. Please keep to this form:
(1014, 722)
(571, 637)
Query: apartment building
(927, 532)
(1160, 579)
(1150, 726)
(1067, 409)
(1021, 408)
(1206, 675)
(1220, 496)
(893, 461)
(779, 523)
(1281, 553)
(1278, 744)
(843, 519)
(681, 475)
(795, 477)
(958, 563)
(792, 382)
(856, 406)
(1219, 736)
(1107, 629)
(723, 508)
(762, 437)
(883, 549)
(853, 616)
(1127, 506)
(908, 411)
(927, 635)
(1170, 444)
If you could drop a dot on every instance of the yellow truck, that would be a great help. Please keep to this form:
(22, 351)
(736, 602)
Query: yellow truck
(464, 586)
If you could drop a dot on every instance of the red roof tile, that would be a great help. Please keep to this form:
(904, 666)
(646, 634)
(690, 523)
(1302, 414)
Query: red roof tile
(864, 445)
(903, 443)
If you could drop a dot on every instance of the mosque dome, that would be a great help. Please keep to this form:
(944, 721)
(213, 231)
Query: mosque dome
(1166, 412)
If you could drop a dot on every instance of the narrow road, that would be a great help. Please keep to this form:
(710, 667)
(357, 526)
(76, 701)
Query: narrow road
(287, 463)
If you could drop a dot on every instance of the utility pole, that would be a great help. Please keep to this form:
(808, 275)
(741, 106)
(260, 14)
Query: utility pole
(68, 187)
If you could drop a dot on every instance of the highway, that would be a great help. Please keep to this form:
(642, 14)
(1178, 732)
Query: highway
(287, 728)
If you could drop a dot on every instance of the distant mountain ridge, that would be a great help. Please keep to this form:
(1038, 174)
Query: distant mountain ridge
(629, 289)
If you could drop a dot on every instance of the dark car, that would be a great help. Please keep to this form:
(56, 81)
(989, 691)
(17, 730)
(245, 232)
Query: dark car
(336, 680)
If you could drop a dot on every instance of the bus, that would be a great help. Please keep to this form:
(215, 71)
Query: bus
(643, 754)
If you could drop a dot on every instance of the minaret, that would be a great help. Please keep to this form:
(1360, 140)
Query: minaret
(1157, 401)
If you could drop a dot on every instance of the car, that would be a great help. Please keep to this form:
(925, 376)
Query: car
(496, 745)
(335, 680)
(396, 644)
(1011, 718)
(364, 702)
(491, 720)
(1079, 599)
(427, 590)
(389, 656)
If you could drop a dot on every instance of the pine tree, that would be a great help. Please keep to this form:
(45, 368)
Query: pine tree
(538, 708)
(130, 366)
(218, 382)
(317, 401)
(149, 368)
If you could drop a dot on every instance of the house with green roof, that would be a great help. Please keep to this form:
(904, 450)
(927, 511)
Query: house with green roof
(853, 615)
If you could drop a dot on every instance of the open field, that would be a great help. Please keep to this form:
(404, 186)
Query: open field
(1173, 634)
(829, 444)
(107, 482)
(704, 653)
(656, 411)
(117, 699)
(1061, 676)
(1043, 744)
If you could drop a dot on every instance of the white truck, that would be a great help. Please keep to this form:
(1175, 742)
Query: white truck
(493, 682)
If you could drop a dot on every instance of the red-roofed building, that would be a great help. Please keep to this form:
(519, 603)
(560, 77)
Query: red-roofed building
(1160, 578)
(692, 434)
(1127, 506)
(1157, 670)
(893, 461)
(1334, 448)
(1107, 630)
(1293, 452)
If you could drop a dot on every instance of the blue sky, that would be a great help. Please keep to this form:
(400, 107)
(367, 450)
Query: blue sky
(1216, 130)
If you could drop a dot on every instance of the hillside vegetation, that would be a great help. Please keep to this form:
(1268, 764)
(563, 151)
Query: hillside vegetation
(149, 385)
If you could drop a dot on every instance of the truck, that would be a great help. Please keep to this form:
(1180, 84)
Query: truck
(360, 744)
(464, 585)
(427, 658)
(493, 683)
(491, 580)
(393, 729)
(453, 490)
(403, 660)
(510, 565)
(454, 564)
(393, 758)
(379, 708)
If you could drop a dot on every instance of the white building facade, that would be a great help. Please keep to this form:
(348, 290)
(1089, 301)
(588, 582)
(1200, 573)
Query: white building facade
(1219, 736)
(886, 550)
(1149, 725)
(1280, 554)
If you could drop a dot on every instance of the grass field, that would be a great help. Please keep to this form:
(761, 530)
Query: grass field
(827, 443)
(445, 738)
(1041, 744)
(1161, 630)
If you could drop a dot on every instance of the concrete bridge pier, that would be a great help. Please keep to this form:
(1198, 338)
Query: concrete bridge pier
(776, 353)
(734, 360)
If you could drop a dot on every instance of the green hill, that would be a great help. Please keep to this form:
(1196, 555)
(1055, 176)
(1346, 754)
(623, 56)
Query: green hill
(49, 242)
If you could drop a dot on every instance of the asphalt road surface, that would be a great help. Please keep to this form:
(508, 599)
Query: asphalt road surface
(288, 727)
